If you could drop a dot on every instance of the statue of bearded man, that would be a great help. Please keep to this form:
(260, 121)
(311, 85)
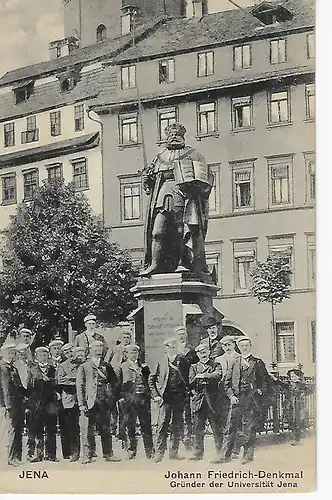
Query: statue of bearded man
(178, 183)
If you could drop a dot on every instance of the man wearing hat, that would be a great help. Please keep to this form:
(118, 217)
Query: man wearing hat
(23, 364)
(97, 391)
(11, 407)
(135, 396)
(204, 378)
(179, 185)
(43, 404)
(168, 389)
(79, 355)
(25, 336)
(213, 338)
(247, 384)
(90, 335)
(55, 348)
(69, 430)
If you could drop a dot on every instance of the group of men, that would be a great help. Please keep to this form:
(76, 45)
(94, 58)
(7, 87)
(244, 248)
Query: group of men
(84, 387)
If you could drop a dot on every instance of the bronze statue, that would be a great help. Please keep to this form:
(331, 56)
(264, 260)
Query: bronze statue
(178, 183)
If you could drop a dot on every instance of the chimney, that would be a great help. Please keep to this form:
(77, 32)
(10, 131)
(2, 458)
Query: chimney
(128, 14)
(196, 9)
(63, 47)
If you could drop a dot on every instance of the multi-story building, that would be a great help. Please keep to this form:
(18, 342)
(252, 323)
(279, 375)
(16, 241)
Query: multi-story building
(242, 82)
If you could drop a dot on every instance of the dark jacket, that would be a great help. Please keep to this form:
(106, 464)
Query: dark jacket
(42, 390)
(215, 346)
(205, 389)
(128, 380)
(81, 340)
(158, 377)
(256, 374)
(11, 389)
(87, 380)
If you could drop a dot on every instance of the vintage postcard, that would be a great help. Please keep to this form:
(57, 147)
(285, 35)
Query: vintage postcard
(158, 249)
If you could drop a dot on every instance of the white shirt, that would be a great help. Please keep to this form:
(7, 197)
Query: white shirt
(23, 371)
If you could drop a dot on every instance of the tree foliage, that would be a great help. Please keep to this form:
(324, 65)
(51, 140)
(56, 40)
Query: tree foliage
(60, 264)
(271, 279)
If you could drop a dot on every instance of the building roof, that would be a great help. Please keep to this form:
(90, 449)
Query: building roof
(92, 53)
(108, 98)
(222, 28)
(49, 151)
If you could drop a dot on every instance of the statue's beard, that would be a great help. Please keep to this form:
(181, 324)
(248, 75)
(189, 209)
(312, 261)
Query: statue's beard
(175, 144)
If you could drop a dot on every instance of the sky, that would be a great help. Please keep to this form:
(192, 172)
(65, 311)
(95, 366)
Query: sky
(27, 27)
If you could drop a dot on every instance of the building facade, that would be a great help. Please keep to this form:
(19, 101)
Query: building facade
(242, 82)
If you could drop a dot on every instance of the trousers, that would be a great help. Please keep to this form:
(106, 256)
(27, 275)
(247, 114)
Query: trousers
(11, 429)
(201, 416)
(169, 413)
(70, 433)
(44, 423)
(139, 409)
(99, 417)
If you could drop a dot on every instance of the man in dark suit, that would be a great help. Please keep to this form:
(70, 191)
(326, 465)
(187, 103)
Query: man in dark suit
(97, 391)
(90, 335)
(212, 336)
(11, 407)
(246, 384)
(135, 396)
(168, 390)
(43, 405)
(70, 430)
(204, 378)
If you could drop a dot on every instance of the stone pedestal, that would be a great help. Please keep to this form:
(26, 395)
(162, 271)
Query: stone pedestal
(167, 301)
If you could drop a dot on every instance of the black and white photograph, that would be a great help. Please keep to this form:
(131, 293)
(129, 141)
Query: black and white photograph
(157, 246)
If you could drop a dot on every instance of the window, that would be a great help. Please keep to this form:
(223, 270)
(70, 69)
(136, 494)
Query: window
(281, 181)
(311, 251)
(166, 117)
(313, 340)
(279, 107)
(131, 202)
(101, 33)
(310, 45)
(80, 174)
(79, 117)
(242, 57)
(310, 104)
(8, 189)
(55, 121)
(54, 172)
(9, 134)
(128, 77)
(278, 51)
(205, 64)
(23, 91)
(128, 129)
(244, 260)
(282, 246)
(126, 23)
(241, 112)
(31, 134)
(212, 261)
(285, 342)
(167, 71)
(311, 178)
(206, 118)
(30, 184)
(243, 187)
(214, 198)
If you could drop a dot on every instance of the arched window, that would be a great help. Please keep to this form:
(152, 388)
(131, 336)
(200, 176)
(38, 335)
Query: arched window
(101, 33)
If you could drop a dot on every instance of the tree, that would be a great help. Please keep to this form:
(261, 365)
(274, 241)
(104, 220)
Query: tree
(271, 282)
(59, 264)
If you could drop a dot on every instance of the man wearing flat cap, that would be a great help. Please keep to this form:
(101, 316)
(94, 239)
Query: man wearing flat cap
(178, 183)
(97, 388)
(69, 422)
(90, 335)
(204, 378)
(213, 337)
(11, 407)
(55, 348)
(43, 404)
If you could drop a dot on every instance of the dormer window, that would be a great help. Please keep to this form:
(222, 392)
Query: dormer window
(101, 33)
(271, 12)
(23, 91)
(68, 81)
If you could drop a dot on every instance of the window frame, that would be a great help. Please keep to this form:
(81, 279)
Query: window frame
(101, 33)
(128, 68)
(51, 167)
(235, 105)
(311, 261)
(242, 168)
(74, 162)
(270, 100)
(31, 134)
(10, 133)
(79, 117)
(55, 123)
(283, 245)
(160, 113)
(282, 59)
(309, 160)
(311, 49)
(310, 113)
(168, 79)
(248, 253)
(25, 174)
(122, 117)
(206, 65)
(198, 118)
(241, 67)
(282, 162)
(125, 183)
(295, 361)
(10, 201)
(215, 169)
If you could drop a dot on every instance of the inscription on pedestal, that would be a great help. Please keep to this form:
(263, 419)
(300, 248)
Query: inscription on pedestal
(160, 320)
